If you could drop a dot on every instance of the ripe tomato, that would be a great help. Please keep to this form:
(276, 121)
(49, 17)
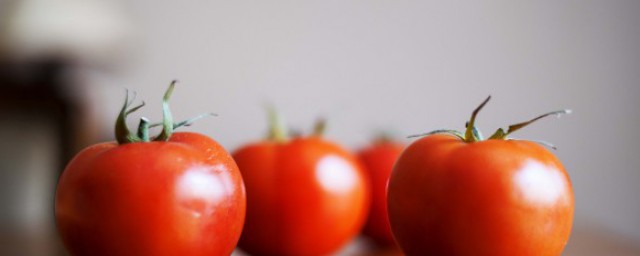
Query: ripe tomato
(305, 196)
(182, 196)
(378, 160)
(455, 195)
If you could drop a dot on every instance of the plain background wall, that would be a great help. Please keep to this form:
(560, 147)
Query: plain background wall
(406, 66)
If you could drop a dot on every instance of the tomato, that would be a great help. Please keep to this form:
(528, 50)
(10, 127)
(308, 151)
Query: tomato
(455, 195)
(378, 159)
(182, 195)
(305, 196)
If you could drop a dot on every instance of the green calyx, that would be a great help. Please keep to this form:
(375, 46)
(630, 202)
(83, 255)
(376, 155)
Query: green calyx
(278, 131)
(385, 136)
(124, 135)
(320, 127)
(472, 134)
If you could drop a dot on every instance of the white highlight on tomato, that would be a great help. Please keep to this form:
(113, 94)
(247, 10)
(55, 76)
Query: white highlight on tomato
(202, 187)
(336, 174)
(541, 184)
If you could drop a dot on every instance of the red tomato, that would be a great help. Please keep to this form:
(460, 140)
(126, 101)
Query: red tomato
(378, 160)
(183, 196)
(306, 196)
(462, 196)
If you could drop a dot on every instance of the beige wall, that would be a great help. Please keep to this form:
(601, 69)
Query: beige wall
(408, 66)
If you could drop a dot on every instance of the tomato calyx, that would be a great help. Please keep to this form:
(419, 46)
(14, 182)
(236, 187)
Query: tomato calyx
(384, 137)
(124, 135)
(472, 134)
(319, 127)
(278, 131)
(500, 134)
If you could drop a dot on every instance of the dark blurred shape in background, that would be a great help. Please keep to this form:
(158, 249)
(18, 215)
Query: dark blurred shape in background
(43, 109)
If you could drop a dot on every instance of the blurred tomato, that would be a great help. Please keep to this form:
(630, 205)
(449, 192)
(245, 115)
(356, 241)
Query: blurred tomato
(378, 160)
(305, 196)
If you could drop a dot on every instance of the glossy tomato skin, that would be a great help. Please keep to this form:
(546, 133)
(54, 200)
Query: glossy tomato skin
(182, 197)
(304, 197)
(378, 160)
(494, 197)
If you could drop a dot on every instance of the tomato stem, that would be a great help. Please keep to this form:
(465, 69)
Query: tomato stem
(143, 129)
(443, 131)
(123, 134)
(471, 133)
(121, 129)
(167, 119)
(187, 122)
(385, 136)
(500, 134)
(319, 127)
(277, 129)
(192, 120)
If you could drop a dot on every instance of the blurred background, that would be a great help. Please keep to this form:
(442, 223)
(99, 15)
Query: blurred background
(366, 66)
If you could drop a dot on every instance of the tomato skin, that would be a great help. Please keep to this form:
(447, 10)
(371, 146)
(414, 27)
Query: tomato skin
(181, 197)
(304, 197)
(493, 197)
(378, 160)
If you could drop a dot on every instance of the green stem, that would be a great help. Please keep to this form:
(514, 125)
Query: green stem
(500, 134)
(143, 129)
(122, 132)
(187, 122)
(470, 135)
(476, 133)
(121, 129)
(167, 119)
(277, 130)
(451, 132)
(320, 127)
(385, 136)
(124, 135)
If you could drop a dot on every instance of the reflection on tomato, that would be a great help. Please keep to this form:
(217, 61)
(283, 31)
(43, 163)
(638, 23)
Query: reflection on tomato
(460, 195)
